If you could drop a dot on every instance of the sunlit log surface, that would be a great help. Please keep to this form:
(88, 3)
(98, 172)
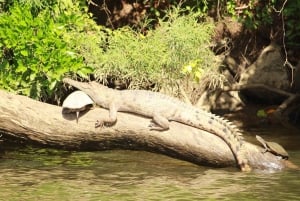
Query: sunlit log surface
(37, 122)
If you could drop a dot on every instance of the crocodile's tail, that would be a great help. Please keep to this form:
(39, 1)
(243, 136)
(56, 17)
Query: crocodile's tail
(230, 134)
(222, 128)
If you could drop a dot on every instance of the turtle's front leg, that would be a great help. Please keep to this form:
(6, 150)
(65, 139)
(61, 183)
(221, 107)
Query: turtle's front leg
(265, 150)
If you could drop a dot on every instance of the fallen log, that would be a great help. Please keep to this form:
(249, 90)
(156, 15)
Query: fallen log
(45, 124)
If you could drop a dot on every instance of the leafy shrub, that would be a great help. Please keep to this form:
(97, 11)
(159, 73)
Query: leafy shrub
(36, 50)
(55, 6)
(159, 56)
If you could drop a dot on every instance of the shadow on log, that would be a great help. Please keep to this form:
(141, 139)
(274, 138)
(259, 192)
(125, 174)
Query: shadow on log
(33, 121)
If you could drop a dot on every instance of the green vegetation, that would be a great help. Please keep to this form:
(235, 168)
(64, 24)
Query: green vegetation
(37, 51)
(159, 56)
(279, 15)
(40, 46)
(292, 25)
(42, 41)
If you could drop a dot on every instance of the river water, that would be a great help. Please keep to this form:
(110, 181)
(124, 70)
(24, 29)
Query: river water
(48, 174)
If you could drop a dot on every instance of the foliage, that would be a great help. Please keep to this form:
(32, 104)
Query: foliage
(291, 14)
(36, 6)
(253, 14)
(210, 78)
(159, 56)
(36, 50)
(157, 8)
(40, 45)
(257, 14)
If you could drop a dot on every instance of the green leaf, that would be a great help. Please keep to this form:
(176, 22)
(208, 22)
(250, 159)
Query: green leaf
(32, 76)
(83, 72)
(24, 53)
(21, 68)
(52, 85)
(261, 113)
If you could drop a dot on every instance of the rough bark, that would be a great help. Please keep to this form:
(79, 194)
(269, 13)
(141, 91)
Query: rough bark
(42, 123)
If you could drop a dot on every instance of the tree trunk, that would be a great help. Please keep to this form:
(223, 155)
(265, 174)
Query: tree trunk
(37, 122)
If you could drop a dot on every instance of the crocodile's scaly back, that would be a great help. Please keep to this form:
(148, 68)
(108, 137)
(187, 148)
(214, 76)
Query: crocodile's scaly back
(173, 109)
(163, 108)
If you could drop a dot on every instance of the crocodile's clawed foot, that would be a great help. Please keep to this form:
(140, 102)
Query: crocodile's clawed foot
(99, 124)
(151, 125)
(155, 127)
(246, 168)
(102, 124)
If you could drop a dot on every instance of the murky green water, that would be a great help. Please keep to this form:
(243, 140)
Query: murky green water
(39, 174)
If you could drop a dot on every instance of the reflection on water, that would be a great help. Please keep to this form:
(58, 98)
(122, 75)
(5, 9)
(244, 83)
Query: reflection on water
(44, 174)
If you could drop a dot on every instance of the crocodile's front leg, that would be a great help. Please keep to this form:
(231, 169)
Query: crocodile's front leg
(159, 122)
(111, 119)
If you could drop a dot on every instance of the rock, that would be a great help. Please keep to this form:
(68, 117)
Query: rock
(220, 103)
(269, 70)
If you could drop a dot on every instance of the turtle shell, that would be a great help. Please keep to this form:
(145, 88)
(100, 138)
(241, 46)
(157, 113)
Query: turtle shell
(277, 149)
(76, 102)
(273, 147)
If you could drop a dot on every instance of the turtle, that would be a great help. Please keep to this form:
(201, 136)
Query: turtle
(77, 101)
(273, 147)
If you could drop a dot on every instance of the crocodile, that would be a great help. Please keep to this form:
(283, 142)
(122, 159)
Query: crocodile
(162, 109)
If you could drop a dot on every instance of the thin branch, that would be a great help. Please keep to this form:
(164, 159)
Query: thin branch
(282, 7)
(286, 62)
(285, 104)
